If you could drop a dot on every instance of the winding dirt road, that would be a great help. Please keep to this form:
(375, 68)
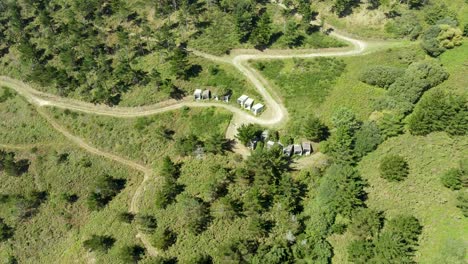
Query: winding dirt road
(275, 114)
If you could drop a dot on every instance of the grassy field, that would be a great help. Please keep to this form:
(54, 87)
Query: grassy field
(141, 138)
(322, 85)
(20, 117)
(58, 228)
(421, 194)
(455, 62)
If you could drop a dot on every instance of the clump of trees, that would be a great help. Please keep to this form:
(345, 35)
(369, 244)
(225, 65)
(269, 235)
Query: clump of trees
(6, 232)
(131, 253)
(247, 133)
(352, 139)
(169, 188)
(381, 76)
(439, 111)
(393, 168)
(163, 238)
(99, 243)
(438, 38)
(393, 242)
(314, 129)
(105, 189)
(10, 166)
(456, 179)
(146, 223)
(418, 78)
(7, 94)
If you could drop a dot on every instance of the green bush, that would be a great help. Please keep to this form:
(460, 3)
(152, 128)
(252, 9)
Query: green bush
(126, 217)
(163, 238)
(6, 232)
(438, 38)
(106, 188)
(440, 111)
(462, 202)
(390, 125)
(366, 223)
(406, 25)
(314, 129)
(99, 243)
(381, 76)
(452, 179)
(247, 133)
(393, 168)
(437, 12)
(146, 223)
(131, 254)
(418, 78)
(367, 138)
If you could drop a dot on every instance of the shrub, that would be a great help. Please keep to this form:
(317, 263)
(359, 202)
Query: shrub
(163, 238)
(346, 119)
(126, 217)
(452, 179)
(462, 202)
(418, 78)
(196, 214)
(381, 76)
(439, 111)
(187, 145)
(6, 231)
(105, 190)
(394, 168)
(247, 133)
(146, 223)
(366, 223)
(406, 227)
(315, 130)
(360, 251)
(367, 138)
(99, 243)
(406, 25)
(436, 12)
(438, 38)
(390, 125)
(12, 167)
(131, 254)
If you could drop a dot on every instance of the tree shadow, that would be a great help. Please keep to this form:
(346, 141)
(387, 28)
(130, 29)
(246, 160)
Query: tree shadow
(194, 70)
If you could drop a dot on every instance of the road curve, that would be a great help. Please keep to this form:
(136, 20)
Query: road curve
(275, 112)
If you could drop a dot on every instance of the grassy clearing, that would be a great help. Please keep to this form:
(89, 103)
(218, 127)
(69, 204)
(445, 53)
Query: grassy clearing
(422, 193)
(141, 138)
(20, 123)
(59, 228)
(455, 62)
(320, 86)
